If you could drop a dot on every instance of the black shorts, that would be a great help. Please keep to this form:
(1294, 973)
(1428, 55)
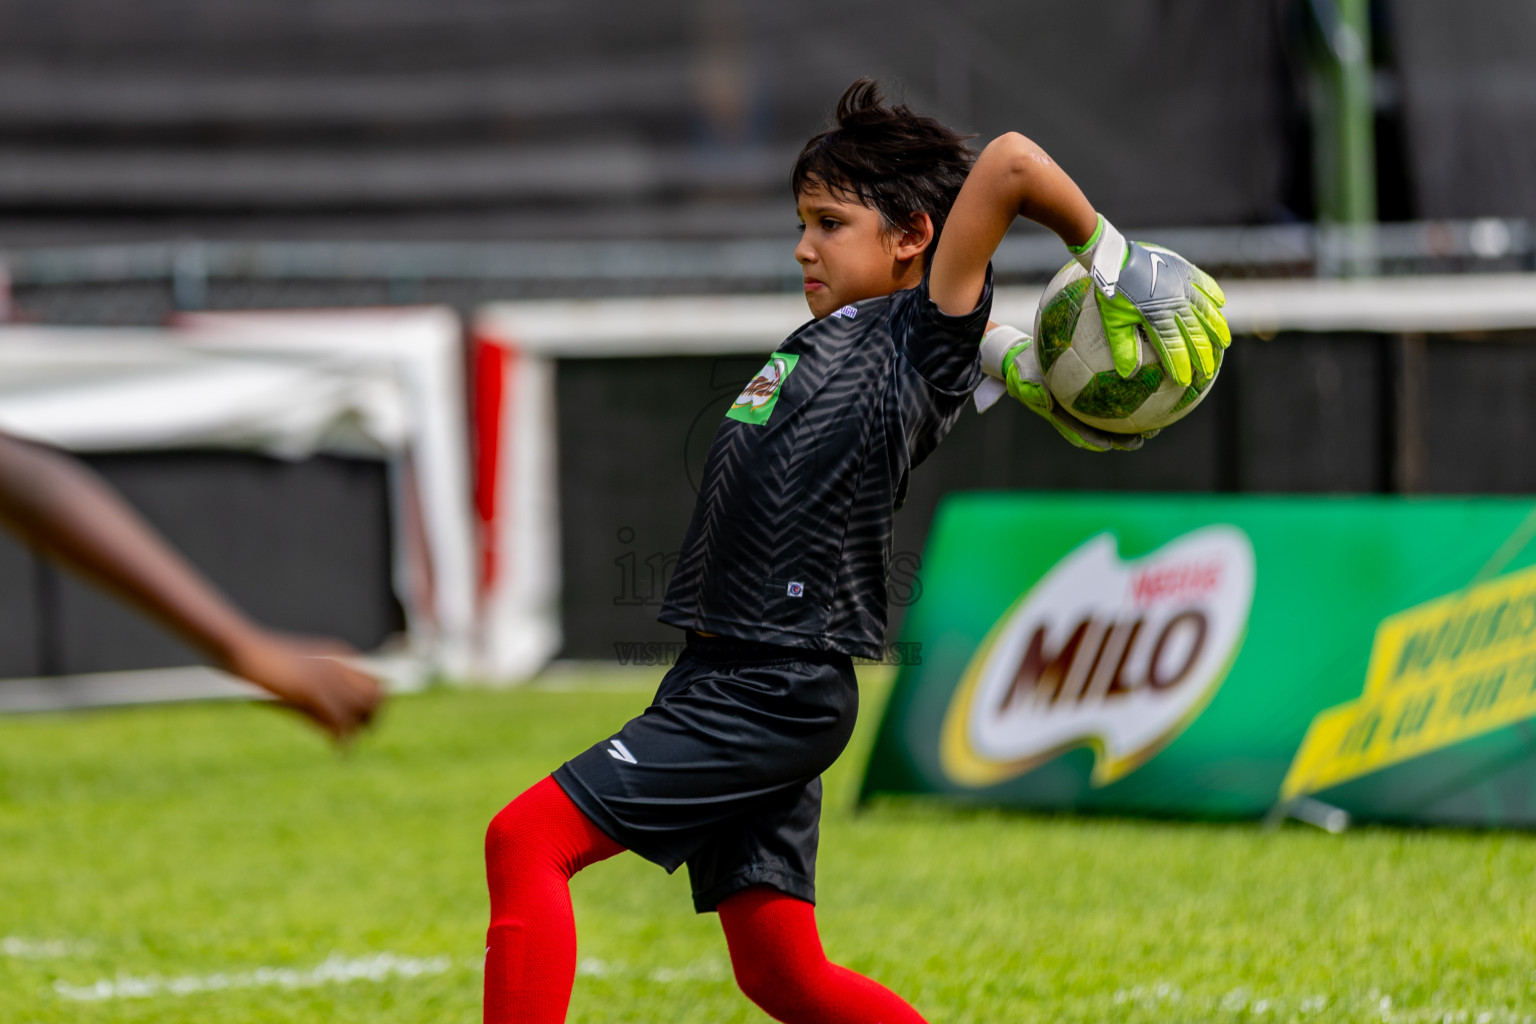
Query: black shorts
(723, 770)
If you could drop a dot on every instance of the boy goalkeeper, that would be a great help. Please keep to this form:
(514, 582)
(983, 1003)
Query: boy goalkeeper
(782, 574)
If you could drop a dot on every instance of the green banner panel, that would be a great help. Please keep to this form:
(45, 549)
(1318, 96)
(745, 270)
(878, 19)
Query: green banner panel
(1218, 657)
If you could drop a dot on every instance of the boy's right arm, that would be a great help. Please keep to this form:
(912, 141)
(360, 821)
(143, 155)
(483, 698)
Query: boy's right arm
(1012, 178)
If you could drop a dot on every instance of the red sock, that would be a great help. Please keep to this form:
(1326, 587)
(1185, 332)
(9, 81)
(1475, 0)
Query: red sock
(532, 849)
(776, 954)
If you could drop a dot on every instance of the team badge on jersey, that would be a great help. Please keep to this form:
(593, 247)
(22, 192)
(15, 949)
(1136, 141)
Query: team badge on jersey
(756, 401)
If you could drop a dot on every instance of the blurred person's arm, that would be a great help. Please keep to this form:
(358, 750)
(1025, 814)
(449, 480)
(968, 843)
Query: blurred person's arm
(61, 508)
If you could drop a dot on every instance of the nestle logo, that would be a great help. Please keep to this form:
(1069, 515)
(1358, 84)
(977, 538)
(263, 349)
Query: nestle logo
(1185, 581)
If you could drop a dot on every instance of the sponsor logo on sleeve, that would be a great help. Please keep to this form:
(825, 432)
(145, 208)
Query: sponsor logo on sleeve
(756, 401)
(1102, 653)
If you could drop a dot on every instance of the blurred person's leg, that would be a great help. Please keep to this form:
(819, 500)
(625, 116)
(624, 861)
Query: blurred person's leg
(533, 847)
(777, 957)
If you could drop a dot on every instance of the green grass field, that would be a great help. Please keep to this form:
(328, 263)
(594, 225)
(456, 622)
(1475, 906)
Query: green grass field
(217, 863)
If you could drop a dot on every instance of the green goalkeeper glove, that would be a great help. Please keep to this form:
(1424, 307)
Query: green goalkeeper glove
(1174, 301)
(1012, 365)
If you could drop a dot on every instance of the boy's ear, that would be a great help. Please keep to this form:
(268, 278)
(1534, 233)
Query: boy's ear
(915, 238)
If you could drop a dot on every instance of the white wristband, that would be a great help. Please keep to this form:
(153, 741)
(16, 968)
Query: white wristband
(1104, 258)
(995, 345)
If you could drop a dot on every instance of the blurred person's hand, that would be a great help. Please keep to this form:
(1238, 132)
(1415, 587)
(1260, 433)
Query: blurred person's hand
(313, 676)
(65, 511)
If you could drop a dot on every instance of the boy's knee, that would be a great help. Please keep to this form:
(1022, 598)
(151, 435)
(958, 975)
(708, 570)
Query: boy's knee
(543, 829)
(779, 989)
(762, 983)
(506, 834)
(519, 831)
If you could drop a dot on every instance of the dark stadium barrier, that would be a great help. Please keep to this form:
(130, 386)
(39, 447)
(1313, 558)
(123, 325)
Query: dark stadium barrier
(1345, 410)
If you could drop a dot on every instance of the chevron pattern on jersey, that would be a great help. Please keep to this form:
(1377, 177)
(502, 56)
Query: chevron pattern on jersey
(790, 541)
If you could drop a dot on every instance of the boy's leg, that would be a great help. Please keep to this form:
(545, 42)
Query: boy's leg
(777, 956)
(532, 849)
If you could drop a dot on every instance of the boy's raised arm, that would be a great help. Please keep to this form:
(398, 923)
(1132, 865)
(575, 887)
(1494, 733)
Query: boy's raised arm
(1179, 311)
(1012, 177)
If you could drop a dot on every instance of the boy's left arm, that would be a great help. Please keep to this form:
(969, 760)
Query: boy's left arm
(1012, 365)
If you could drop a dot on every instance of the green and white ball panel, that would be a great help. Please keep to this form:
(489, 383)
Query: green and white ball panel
(1069, 374)
(1080, 372)
(1061, 306)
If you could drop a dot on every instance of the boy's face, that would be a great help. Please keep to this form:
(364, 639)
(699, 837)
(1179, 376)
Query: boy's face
(846, 255)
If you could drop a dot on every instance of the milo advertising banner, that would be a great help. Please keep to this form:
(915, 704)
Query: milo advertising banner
(1222, 657)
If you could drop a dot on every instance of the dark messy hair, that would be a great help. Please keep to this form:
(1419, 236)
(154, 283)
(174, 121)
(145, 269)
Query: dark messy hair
(887, 158)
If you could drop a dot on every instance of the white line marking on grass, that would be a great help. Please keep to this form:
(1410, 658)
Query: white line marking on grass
(702, 969)
(41, 949)
(592, 967)
(335, 970)
(1373, 1005)
(1149, 996)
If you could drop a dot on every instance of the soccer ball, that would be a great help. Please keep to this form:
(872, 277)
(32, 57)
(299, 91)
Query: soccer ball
(1080, 372)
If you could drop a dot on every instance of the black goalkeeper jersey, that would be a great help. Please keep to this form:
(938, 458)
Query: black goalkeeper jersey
(790, 541)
